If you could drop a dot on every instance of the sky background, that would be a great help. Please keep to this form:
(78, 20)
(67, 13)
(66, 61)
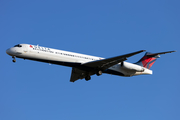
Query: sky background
(32, 90)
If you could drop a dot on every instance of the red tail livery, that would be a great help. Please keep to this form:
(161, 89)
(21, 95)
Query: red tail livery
(149, 59)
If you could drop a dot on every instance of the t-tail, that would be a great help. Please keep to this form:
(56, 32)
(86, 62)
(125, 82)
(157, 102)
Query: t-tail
(149, 59)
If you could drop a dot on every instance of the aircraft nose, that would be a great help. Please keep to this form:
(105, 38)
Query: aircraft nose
(9, 51)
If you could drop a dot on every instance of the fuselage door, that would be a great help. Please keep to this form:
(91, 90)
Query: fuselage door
(25, 48)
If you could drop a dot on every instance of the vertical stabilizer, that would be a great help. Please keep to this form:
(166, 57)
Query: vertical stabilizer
(149, 59)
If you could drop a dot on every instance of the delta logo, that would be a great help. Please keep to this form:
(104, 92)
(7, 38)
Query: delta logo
(31, 46)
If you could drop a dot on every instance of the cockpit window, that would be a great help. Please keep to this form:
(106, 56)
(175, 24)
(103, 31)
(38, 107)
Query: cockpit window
(18, 45)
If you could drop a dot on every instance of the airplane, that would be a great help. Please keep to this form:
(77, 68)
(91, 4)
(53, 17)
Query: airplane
(84, 66)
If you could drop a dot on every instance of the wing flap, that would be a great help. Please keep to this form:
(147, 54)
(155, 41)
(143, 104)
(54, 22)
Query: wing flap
(79, 74)
(76, 74)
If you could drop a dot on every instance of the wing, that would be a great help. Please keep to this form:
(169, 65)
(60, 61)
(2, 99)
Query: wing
(98, 65)
(106, 63)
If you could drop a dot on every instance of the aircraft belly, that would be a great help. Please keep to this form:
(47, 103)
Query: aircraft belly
(121, 70)
(113, 72)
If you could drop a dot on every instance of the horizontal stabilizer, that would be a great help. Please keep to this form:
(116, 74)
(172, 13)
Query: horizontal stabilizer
(154, 54)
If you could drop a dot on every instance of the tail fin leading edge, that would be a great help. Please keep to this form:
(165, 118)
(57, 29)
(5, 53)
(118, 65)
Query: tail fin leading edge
(149, 59)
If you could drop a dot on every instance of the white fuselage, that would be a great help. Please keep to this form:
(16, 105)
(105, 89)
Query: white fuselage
(71, 59)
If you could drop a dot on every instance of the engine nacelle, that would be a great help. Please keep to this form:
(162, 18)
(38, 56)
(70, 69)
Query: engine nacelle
(131, 67)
